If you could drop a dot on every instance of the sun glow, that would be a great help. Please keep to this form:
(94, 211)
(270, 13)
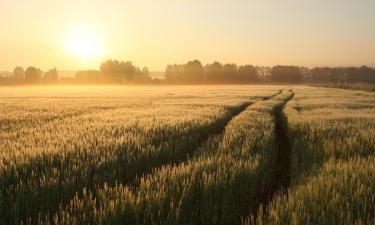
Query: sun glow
(85, 42)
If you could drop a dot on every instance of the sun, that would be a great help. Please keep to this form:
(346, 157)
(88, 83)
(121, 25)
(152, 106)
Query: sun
(85, 42)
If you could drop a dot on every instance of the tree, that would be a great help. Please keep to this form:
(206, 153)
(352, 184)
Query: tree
(286, 74)
(33, 74)
(174, 73)
(229, 73)
(88, 76)
(264, 73)
(51, 75)
(193, 71)
(214, 72)
(169, 73)
(247, 73)
(319, 75)
(118, 70)
(142, 76)
(146, 71)
(367, 74)
(19, 73)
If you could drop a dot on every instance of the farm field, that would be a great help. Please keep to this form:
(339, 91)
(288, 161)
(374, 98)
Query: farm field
(187, 155)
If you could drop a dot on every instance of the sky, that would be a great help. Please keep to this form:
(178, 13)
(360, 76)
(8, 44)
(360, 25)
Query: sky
(80, 34)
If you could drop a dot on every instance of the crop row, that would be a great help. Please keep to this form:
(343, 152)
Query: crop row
(332, 135)
(46, 163)
(219, 184)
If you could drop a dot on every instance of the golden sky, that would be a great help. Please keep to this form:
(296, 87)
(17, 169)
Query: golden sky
(77, 34)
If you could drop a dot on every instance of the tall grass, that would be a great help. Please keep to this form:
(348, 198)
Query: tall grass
(333, 181)
(342, 192)
(185, 155)
(219, 185)
(55, 147)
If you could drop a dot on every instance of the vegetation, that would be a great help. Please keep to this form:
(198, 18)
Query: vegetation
(226, 168)
(194, 72)
(187, 155)
(286, 74)
(341, 75)
(60, 148)
(332, 135)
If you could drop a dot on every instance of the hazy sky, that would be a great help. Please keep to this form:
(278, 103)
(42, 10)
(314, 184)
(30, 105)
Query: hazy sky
(155, 33)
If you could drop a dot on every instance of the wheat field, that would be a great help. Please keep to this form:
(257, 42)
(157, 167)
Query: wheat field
(187, 155)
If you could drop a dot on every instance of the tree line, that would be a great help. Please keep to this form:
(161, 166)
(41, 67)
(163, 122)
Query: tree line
(361, 74)
(111, 71)
(115, 71)
(193, 72)
(30, 75)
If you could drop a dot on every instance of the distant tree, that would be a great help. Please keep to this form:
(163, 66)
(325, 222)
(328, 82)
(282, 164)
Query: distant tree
(193, 71)
(286, 74)
(142, 76)
(169, 73)
(118, 70)
(304, 73)
(145, 72)
(367, 74)
(19, 73)
(51, 75)
(319, 75)
(33, 74)
(174, 73)
(214, 72)
(229, 73)
(88, 76)
(264, 73)
(247, 73)
(335, 75)
(361, 74)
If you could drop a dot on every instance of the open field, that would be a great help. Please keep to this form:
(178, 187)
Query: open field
(187, 155)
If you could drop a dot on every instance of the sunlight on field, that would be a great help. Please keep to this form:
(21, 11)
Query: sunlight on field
(185, 154)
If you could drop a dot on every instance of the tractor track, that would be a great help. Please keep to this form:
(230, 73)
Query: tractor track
(281, 167)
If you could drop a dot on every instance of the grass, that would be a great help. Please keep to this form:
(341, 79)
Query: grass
(332, 134)
(187, 155)
(342, 192)
(209, 188)
(57, 146)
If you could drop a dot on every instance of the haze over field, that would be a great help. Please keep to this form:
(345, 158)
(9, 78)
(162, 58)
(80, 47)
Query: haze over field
(73, 35)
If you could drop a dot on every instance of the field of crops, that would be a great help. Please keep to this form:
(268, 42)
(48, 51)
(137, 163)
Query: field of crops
(187, 155)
